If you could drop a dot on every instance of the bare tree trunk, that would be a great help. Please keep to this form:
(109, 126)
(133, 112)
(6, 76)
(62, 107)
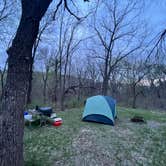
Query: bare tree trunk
(15, 91)
(60, 63)
(79, 92)
(62, 102)
(134, 96)
(134, 102)
(31, 72)
(105, 77)
(35, 46)
(105, 86)
(56, 80)
(45, 79)
(44, 92)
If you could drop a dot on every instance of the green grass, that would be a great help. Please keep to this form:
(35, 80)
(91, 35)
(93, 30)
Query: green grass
(147, 114)
(82, 143)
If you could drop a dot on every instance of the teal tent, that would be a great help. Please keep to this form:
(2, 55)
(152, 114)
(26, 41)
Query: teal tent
(101, 109)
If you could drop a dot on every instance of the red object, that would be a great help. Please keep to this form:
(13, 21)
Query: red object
(57, 123)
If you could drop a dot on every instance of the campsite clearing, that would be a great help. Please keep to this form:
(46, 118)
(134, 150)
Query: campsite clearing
(78, 143)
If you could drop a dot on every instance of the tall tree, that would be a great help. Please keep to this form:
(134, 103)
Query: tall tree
(113, 32)
(15, 92)
(44, 55)
(14, 98)
(42, 29)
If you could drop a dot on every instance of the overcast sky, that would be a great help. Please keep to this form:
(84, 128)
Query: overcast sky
(153, 13)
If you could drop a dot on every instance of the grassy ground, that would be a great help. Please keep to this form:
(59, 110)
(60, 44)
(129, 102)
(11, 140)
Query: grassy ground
(78, 143)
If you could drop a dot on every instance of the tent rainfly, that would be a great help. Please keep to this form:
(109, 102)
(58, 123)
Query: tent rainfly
(101, 109)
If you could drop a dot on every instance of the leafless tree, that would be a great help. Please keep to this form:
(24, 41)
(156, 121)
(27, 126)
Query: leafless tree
(136, 72)
(6, 9)
(6, 12)
(44, 54)
(68, 43)
(116, 35)
(43, 27)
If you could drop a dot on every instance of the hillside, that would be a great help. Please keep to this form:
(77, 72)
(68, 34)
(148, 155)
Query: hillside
(78, 143)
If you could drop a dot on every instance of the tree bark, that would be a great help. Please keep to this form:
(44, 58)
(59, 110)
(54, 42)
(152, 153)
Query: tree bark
(2, 73)
(15, 91)
(30, 83)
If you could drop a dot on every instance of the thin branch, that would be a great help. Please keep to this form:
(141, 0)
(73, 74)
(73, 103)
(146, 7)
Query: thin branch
(68, 9)
(163, 34)
(101, 39)
(56, 10)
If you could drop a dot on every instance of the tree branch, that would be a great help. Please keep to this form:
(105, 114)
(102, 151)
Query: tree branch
(56, 10)
(68, 9)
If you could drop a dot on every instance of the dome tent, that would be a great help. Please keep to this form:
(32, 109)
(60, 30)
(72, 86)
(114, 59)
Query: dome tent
(101, 109)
